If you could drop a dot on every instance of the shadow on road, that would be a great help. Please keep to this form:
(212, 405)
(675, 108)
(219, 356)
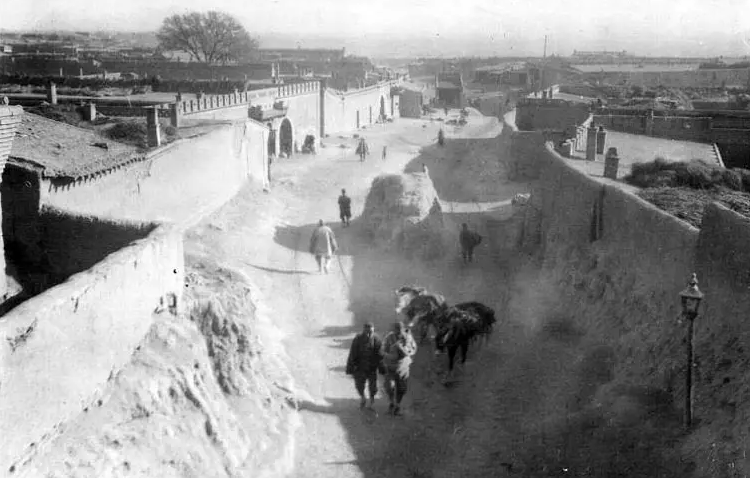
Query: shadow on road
(466, 170)
(526, 403)
(279, 271)
(335, 331)
(297, 237)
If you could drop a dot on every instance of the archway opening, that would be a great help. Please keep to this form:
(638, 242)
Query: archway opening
(286, 138)
(382, 109)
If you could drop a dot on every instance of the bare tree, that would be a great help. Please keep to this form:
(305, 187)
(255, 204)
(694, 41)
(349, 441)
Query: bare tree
(212, 37)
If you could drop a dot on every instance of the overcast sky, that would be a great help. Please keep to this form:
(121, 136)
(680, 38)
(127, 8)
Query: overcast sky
(667, 27)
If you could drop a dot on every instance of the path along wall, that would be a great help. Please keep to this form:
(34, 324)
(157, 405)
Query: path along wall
(616, 265)
(59, 349)
(176, 182)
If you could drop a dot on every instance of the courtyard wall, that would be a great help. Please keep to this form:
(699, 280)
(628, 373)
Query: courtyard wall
(614, 266)
(58, 350)
(173, 183)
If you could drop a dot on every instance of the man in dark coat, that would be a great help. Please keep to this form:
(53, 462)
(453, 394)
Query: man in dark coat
(469, 240)
(345, 208)
(364, 361)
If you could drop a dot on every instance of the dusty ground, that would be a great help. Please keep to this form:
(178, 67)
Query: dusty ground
(193, 404)
(266, 236)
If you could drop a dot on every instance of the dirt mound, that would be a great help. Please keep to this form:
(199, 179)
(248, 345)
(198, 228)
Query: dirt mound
(403, 212)
(199, 398)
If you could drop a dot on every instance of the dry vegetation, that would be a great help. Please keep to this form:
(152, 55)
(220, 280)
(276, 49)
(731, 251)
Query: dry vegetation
(685, 188)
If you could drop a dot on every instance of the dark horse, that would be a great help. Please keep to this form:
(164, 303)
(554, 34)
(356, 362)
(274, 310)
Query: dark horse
(485, 315)
(456, 330)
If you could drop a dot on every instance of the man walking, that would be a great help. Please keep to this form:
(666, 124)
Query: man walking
(469, 240)
(385, 151)
(362, 149)
(363, 363)
(323, 246)
(345, 208)
(398, 349)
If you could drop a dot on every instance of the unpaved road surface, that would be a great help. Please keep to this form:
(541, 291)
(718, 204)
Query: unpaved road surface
(266, 236)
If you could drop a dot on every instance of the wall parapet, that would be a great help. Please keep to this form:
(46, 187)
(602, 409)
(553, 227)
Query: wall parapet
(58, 349)
(294, 89)
(366, 89)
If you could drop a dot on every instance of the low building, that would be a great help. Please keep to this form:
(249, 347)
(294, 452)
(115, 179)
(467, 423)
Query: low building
(48, 158)
(450, 90)
(411, 101)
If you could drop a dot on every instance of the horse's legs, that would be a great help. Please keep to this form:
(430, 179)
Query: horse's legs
(425, 328)
(451, 356)
(464, 351)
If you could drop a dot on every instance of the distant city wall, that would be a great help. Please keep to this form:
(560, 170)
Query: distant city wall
(697, 78)
(166, 70)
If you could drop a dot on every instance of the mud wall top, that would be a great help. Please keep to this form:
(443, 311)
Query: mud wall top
(620, 284)
(174, 182)
(58, 349)
(239, 98)
(556, 115)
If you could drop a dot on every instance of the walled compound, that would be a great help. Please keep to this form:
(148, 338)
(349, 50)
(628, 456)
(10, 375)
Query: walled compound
(615, 265)
(95, 229)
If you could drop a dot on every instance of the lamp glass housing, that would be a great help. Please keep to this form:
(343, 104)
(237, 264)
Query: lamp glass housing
(690, 304)
(691, 297)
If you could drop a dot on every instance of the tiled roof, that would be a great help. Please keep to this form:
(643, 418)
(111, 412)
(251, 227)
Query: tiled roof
(62, 150)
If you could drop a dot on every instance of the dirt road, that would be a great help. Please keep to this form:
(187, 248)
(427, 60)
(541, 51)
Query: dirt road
(266, 236)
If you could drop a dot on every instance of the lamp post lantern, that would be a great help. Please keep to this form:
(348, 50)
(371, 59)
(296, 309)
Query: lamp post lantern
(691, 298)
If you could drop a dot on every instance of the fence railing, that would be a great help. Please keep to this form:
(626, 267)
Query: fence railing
(240, 98)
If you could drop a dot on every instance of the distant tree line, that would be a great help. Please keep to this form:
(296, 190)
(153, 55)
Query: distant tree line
(724, 66)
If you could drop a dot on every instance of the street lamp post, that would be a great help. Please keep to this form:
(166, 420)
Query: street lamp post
(691, 299)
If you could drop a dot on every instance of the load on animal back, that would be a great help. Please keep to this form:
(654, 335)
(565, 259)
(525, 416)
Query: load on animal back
(456, 327)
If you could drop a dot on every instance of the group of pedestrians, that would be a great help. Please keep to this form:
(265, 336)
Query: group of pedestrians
(391, 357)
(363, 150)
(369, 355)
